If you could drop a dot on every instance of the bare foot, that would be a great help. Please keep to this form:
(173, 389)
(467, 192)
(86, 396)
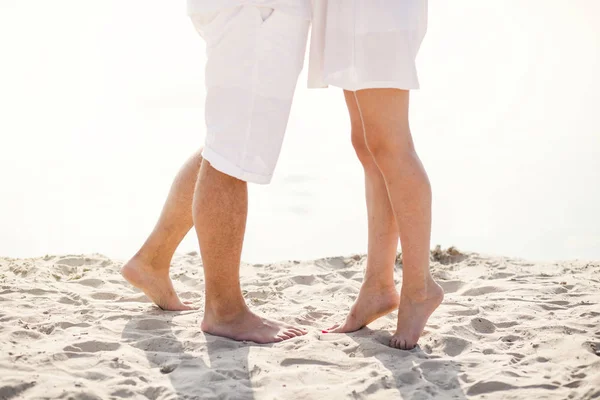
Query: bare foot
(156, 284)
(372, 302)
(413, 314)
(249, 326)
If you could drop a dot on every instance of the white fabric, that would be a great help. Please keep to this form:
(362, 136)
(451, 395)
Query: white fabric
(254, 57)
(360, 44)
(299, 8)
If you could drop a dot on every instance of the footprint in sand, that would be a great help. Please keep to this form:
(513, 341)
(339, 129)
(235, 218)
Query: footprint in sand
(483, 325)
(452, 345)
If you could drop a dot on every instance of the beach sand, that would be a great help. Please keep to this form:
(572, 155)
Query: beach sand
(72, 328)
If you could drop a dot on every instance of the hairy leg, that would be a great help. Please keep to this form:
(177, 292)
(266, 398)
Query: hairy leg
(220, 211)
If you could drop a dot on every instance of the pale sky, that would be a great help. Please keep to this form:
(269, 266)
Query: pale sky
(102, 101)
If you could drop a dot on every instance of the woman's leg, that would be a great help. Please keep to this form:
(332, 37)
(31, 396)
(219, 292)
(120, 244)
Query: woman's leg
(378, 295)
(384, 113)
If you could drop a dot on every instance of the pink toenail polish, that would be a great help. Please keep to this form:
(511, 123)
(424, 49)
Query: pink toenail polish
(324, 332)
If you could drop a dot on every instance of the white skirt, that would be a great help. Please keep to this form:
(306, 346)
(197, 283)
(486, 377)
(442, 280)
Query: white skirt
(363, 44)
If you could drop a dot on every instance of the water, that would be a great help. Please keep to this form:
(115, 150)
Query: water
(102, 101)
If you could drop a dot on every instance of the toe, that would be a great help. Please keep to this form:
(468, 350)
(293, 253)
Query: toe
(288, 332)
(189, 305)
(296, 332)
(397, 343)
(282, 337)
(336, 326)
(174, 306)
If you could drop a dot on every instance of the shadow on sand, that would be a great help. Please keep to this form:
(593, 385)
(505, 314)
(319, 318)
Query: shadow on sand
(215, 368)
(415, 374)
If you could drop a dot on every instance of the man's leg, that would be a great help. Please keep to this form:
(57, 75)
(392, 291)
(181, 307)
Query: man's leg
(148, 270)
(378, 295)
(220, 211)
(385, 118)
(255, 55)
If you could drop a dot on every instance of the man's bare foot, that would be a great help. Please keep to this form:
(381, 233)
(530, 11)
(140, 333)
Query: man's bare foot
(413, 313)
(249, 326)
(373, 301)
(156, 284)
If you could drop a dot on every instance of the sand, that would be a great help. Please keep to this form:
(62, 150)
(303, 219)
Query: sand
(70, 327)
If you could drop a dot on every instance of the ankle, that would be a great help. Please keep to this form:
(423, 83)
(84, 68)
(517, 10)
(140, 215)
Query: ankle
(152, 261)
(421, 292)
(225, 312)
(374, 282)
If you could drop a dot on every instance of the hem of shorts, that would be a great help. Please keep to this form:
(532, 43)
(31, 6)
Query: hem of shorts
(354, 86)
(221, 164)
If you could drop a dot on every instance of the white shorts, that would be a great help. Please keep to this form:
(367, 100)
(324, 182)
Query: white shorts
(365, 44)
(254, 57)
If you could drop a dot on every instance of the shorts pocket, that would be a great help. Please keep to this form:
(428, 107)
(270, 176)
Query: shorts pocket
(264, 15)
(205, 23)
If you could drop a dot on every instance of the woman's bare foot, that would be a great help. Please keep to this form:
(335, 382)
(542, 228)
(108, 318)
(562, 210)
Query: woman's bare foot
(413, 313)
(156, 284)
(247, 326)
(373, 301)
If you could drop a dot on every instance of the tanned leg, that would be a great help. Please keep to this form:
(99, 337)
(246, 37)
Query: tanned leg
(220, 211)
(384, 114)
(148, 270)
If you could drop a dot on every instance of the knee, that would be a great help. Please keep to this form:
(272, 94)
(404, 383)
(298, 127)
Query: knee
(387, 142)
(360, 146)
